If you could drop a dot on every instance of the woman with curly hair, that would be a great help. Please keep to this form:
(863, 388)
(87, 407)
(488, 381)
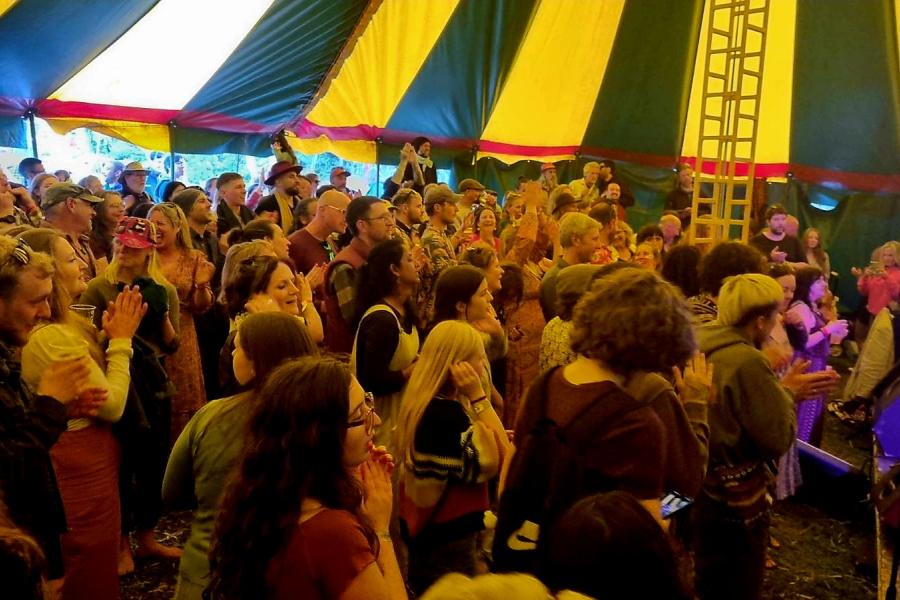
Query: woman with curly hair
(307, 513)
(627, 322)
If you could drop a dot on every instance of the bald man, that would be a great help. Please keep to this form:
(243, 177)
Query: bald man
(313, 245)
(792, 226)
(671, 229)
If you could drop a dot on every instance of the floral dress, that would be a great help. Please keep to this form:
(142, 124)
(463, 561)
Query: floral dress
(525, 320)
(183, 367)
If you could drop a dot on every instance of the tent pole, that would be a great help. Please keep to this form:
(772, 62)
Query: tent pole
(172, 150)
(378, 141)
(34, 146)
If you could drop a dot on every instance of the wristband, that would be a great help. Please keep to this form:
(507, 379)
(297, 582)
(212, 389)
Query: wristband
(479, 405)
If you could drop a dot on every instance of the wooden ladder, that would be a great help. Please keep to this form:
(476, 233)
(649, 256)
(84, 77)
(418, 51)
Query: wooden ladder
(732, 88)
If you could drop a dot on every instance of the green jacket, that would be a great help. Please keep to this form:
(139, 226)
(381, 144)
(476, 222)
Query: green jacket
(753, 418)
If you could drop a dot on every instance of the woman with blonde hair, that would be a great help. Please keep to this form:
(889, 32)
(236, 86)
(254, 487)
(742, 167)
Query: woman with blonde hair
(86, 457)
(191, 274)
(136, 264)
(449, 443)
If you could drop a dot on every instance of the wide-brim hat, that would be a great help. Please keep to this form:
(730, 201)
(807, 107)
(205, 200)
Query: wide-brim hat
(563, 200)
(135, 168)
(280, 168)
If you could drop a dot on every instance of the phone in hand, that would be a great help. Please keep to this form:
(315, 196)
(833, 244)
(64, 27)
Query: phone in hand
(674, 502)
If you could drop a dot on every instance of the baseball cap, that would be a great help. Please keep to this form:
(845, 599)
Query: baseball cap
(339, 171)
(547, 167)
(440, 195)
(134, 232)
(60, 192)
(470, 184)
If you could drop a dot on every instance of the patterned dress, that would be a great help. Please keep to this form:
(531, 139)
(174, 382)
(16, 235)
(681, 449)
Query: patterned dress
(524, 321)
(811, 410)
(184, 366)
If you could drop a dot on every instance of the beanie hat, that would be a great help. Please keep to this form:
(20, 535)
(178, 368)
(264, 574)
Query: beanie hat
(742, 293)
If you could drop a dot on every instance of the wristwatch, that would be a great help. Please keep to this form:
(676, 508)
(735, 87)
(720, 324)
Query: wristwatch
(479, 405)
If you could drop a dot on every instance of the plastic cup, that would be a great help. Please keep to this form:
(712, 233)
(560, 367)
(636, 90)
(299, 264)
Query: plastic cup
(83, 310)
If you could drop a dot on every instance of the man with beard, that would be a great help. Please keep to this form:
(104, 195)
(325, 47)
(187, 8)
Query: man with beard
(775, 243)
(32, 421)
(370, 222)
(69, 209)
(197, 208)
(134, 184)
(408, 215)
(279, 205)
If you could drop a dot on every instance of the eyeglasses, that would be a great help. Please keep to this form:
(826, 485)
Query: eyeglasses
(343, 211)
(21, 254)
(368, 417)
(386, 217)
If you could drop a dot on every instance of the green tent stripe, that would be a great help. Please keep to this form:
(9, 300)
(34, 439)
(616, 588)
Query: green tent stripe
(455, 91)
(187, 140)
(846, 114)
(643, 99)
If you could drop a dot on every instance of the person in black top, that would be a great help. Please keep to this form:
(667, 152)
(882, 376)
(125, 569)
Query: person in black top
(231, 211)
(775, 244)
(608, 176)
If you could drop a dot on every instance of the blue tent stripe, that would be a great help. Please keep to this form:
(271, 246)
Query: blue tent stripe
(43, 43)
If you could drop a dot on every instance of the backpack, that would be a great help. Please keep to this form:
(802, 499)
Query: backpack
(547, 475)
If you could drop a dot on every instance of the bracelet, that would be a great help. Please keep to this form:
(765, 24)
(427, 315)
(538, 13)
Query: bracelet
(477, 400)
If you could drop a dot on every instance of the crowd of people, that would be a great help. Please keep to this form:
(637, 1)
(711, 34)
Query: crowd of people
(364, 397)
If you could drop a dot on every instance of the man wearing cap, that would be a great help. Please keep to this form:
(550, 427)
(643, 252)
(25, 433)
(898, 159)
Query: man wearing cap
(70, 209)
(313, 180)
(134, 184)
(439, 245)
(286, 179)
(579, 235)
(198, 210)
(470, 191)
(370, 222)
(753, 425)
(563, 204)
(339, 181)
(232, 212)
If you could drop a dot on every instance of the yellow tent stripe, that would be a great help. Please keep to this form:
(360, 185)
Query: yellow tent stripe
(774, 130)
(390, 52)
(552, 87)
(5, 5)
(151, 137)
(354, 150)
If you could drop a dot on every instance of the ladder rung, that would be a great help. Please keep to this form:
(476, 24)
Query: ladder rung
(716, 76)
(750, 72)
(712, 117)
(756, 28)
(723, 32)
(724, 50)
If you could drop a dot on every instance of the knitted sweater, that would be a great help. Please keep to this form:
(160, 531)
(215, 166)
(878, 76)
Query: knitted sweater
(444, 492)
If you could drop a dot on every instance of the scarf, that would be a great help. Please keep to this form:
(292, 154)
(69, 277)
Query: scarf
(424, 162)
